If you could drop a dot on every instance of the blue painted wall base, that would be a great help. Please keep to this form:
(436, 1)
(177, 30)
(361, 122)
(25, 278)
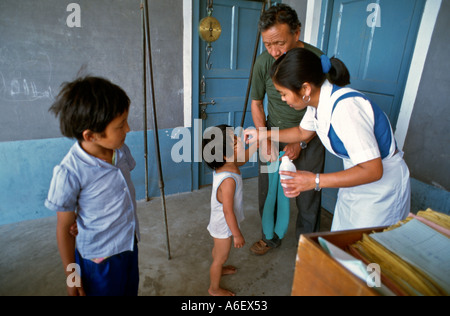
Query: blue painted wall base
(424, 196)
(26, 169)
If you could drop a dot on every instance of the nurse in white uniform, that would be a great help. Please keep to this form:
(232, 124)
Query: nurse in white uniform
(374, 188)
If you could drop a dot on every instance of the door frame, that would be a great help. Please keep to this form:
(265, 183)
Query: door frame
(195, 93)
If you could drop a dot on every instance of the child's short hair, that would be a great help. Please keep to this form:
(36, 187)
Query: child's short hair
(218, 143)
(88, 103)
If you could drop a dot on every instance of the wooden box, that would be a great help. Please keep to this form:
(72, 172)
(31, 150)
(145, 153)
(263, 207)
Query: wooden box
(317, 273)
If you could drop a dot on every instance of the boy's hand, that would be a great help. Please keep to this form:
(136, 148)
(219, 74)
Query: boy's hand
(239, 241)
(74, 229)
(76, 291)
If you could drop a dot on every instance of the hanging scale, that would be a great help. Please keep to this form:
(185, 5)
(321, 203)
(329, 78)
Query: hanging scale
(209, 29)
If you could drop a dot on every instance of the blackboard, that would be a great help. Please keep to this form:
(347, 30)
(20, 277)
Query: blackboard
(39, 50)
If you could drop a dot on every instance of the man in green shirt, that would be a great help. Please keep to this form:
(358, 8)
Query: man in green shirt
(280, 30)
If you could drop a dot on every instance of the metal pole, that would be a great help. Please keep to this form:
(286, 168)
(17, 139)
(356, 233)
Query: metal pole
(155, 127)
(144, 84)
(255, 53)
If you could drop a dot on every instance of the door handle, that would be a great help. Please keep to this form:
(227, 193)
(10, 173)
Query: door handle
(203, 106)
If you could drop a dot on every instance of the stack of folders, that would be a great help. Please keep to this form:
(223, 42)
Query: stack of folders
(413, 255)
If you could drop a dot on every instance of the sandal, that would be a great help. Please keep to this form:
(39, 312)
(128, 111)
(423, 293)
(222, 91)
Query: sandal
(260, 248)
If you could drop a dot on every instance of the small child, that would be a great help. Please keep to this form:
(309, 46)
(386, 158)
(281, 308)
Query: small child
(92, 186)
(227, 210)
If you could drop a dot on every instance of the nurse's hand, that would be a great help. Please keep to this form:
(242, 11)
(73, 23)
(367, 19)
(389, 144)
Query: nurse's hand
(251, 136)
(301, 181)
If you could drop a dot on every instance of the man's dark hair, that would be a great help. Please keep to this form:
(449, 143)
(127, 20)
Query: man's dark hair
(88, 103)
(280, 14)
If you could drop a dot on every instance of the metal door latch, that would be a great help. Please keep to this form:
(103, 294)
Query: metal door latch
(212, 102)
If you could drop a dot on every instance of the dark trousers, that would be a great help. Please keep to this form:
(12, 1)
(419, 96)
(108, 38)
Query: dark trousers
(115, 276)
(308, 203)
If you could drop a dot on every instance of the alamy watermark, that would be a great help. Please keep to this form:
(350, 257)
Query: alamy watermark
(374, 18)
(189, 147)
(374, 277)
(74, 18)
(74, 278)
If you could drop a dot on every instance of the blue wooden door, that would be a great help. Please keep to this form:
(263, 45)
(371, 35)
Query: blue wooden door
(226, 81)
(375, 39)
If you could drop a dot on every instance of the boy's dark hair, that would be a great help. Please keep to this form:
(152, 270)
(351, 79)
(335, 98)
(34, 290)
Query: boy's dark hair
(224, 145)
(88, 103)
(279, 14)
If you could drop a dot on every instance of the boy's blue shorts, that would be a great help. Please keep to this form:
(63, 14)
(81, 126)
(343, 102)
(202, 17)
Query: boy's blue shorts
(115, 276)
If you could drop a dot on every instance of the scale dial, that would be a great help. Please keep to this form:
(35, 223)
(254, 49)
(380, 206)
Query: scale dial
(209, 29)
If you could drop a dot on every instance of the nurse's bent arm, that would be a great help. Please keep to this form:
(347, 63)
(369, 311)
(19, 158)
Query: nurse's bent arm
(291, 135)
(363, 173)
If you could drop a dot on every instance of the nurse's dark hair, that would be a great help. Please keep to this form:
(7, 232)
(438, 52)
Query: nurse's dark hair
(300, 65)
(88, 103)
(218, 143)
(279, 14)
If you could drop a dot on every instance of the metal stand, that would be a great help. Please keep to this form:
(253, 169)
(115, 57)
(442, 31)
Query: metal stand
(147, 51)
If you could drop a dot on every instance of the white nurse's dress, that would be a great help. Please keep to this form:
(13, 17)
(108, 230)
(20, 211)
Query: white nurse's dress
(356, 130)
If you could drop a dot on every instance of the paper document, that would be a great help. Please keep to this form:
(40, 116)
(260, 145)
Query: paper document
(357, 267)
(421, 246)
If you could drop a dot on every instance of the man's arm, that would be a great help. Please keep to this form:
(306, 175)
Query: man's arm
(259, 117)
(293, 150)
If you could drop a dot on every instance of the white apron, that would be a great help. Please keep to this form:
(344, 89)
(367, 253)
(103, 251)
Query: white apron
(380, 203)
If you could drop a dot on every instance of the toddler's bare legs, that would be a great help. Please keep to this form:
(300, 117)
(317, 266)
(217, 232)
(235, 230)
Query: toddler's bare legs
(220, 255)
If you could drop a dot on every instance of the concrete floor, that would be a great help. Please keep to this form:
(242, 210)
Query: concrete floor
(30, 263)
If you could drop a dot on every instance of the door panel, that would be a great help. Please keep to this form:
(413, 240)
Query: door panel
(385, 102)
(375, 56)
(378, 55)
(226, 83)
